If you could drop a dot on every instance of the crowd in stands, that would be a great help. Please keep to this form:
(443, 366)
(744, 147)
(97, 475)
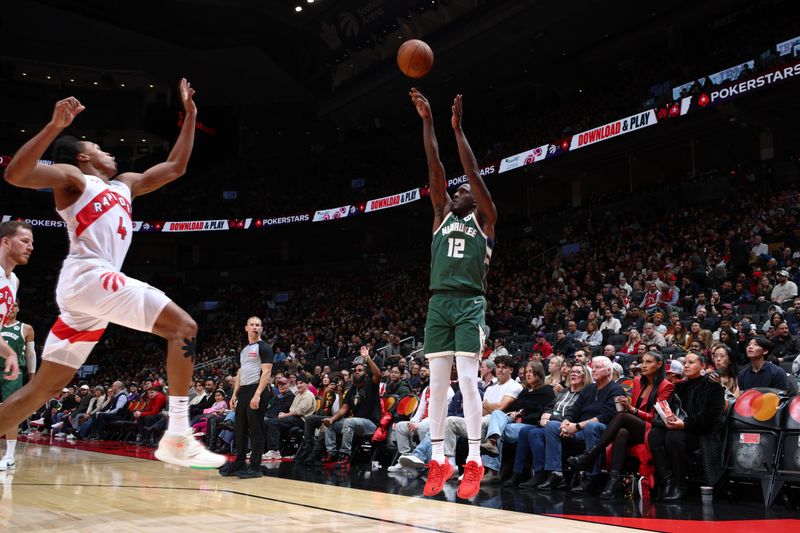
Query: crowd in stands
(698, 305)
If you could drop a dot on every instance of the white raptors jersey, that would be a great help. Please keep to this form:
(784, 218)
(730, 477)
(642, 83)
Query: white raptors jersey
(8, 293)
(99, 224)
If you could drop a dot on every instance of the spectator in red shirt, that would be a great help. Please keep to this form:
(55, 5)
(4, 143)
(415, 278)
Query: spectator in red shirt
(151, 412)
(542, 346)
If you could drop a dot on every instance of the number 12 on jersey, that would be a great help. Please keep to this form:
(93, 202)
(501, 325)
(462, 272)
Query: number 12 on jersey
(455, 247)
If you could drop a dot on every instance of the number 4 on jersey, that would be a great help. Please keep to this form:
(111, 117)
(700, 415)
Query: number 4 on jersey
(455, 247)
(121, 230)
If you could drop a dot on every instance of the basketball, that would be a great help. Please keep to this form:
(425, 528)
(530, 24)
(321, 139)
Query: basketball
(415, 58)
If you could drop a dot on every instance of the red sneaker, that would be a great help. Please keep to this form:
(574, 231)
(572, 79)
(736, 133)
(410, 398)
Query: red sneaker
(438, 474)
(471, 482)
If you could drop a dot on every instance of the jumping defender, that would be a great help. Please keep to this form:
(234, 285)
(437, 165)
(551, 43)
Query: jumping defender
(91, 290)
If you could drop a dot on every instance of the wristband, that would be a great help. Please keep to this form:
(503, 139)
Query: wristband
(578, 426)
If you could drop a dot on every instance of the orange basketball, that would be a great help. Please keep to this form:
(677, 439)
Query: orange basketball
(415, 58)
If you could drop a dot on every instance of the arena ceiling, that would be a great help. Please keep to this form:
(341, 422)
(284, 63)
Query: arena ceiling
(336, 56)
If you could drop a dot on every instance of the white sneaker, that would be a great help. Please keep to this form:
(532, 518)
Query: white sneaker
(413, 465)
(60, 435)
(182, 449)
(7, 463)
(271, 455)
(57, 425)
(71, 437)
(396, 468)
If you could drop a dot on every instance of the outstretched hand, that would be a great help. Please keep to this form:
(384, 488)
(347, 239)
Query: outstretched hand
(11, 368)
(364, 352)
(421, 103)
(65, 111)
(186, 91)
(458, 113)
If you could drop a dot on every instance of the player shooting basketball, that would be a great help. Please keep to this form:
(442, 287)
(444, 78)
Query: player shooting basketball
(463, 237)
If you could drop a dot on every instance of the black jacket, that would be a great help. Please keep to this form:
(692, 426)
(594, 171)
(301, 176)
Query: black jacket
(703, 401)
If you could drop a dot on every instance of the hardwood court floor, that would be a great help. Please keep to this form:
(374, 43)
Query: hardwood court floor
(114, 486)
(66, 489)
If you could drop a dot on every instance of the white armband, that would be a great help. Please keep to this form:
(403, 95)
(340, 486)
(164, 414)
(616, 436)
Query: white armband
(30, 357)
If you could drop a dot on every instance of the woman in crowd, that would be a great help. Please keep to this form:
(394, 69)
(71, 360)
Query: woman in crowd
(731, 340)
(632, 346)
(770, 327)
(324, 382)
(554, 377)
(592, 336)
(697, 333)
(631, 425)
(526, 410)
(530, 442)
(726, 370)
(702, 401)
(678, 335)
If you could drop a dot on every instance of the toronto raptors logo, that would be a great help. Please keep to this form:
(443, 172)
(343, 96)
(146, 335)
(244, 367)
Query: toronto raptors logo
(112, 281)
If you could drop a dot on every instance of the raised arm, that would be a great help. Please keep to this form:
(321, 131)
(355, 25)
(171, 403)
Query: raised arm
(487, 212)
(175, 166)
(24, 169)
(436, 180)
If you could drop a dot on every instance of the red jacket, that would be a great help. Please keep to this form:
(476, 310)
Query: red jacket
(544, 347)
(155, 405)
(642, 451)
(665, 390)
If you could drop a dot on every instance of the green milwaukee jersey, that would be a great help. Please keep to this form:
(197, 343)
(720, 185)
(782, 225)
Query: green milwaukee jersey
(460, 255)
(16, 340)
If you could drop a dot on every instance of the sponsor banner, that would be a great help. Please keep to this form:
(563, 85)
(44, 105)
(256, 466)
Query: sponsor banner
(284, 219)
(488, 170)
(392, 201)
(6, 159)
(195, 225)
(719, 78)
(788, 47)
(735, 89)
(739, 88)
(524, 158)
(614, 129)
(332, 214)
(137, 225)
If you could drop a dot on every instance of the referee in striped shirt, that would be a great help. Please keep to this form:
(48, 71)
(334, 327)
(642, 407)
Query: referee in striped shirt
(251, 393)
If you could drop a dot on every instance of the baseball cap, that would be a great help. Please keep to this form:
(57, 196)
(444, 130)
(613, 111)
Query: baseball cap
(281, 381)
(675, 367)
(727, 306)
(783, 273)
(65, 389)
(84, 387)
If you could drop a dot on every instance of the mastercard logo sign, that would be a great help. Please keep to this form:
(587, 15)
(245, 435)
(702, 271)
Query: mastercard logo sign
(794, 409)
(761, 406)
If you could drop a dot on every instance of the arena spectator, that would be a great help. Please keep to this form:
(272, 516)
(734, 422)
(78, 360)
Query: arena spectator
(703, 403)
(784, 289)
(363, 401)
(304, 404)
(760, 372)
(630, 425)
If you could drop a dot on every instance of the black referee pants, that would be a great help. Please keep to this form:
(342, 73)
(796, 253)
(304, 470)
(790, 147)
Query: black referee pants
(250, 423)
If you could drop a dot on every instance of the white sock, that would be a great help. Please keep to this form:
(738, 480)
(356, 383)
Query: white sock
(178, 414)
(474, 453)
(11, 446)
(437, 451)
(452, 461)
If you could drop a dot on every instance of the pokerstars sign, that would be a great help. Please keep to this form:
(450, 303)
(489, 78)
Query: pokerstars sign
(614, 129)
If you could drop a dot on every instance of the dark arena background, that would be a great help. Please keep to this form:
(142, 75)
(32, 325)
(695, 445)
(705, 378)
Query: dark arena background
(643, 158)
